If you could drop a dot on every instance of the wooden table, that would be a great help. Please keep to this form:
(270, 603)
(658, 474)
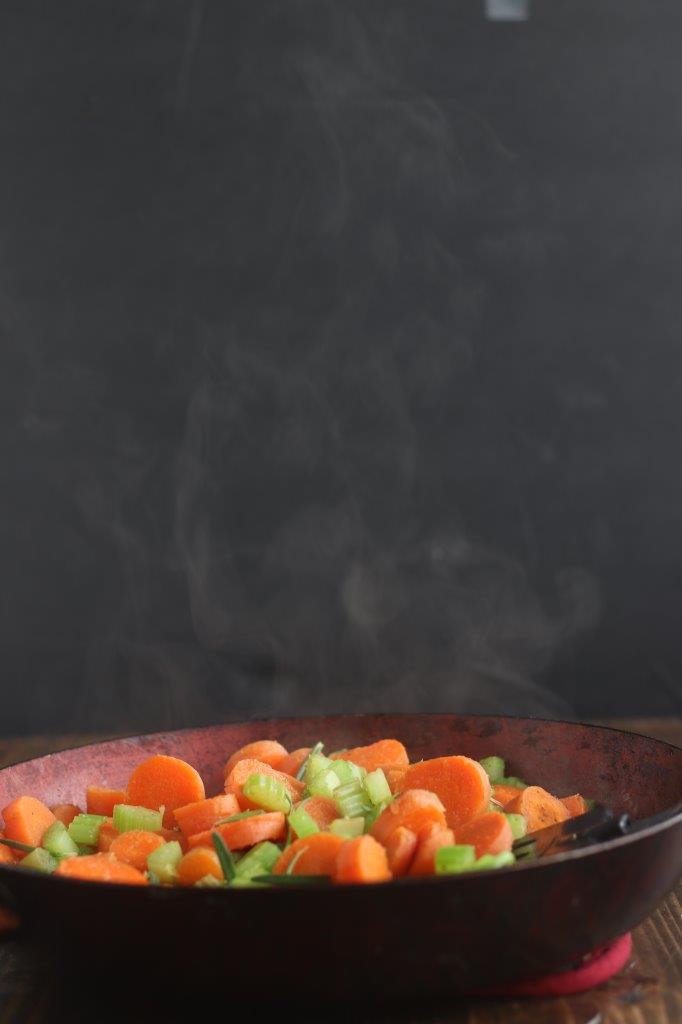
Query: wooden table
(649, 991)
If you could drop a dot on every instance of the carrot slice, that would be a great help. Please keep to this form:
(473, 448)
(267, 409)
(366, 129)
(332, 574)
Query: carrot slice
(361, 860)
(382, 754)
(234, 782)
(135, 846)
(198, 863)
(317, 855)
(505, 794)
(268, 751)
(65, 813)
(107, 834)
(400, 848)
(27, 820)
(538, 807)
(293, 761)
(100, 867)
(174, 835)
(413, 808)
(203, 814)
(165, 781)
(322, 810)
(491, 833)
(575, 805)
(102, 799)
(460, 782)
(247, 832)
(430, 839)
(394, 776)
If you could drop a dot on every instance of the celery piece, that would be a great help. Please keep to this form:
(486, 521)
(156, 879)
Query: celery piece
(301, 822)
(373, 813)
(153, 879)
(325, 783)
(377, 787)
(315, 764)
(302, 771)
(259, 860)
(494, 860)
(209, 882)
(128, 818)
(224, 856)
(58, 842)
(268, 792)
(348, 828)
(348, 772)
(164, 860)
(511, 780)
(351, 799)
(518, 825)
(239, 817)
(40, 860)
(451, 860)
(494, 768)
(84, 829)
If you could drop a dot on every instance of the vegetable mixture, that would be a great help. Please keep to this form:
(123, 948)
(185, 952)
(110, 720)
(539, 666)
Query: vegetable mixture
(287, 818)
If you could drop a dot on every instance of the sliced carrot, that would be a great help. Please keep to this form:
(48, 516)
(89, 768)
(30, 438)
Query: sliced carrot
(268, 751)
(575, 805)
(165, 781)
(413, 808)
(198, 863)
(203, 814)
(394, 776)
(247, 832)
(458, 781)
(361, 860)
(234, 782)
(504, 794)
(491, 833)
(135, 846)
(321, 809)
(400, 848)
(102, 799)
(65, 813)
(429, 840)
(293, 761)
(100, 867)
(538, 807)
(107, 834)
(27, 820)
(382, 754)
(174, 835)
(317, 855)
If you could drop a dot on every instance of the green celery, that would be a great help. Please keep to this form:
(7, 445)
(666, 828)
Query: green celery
(451, 860)
(84, 829)
(373, 813)
(494, 768)
(164, 860)
(259, 860)
(315, 764)
(325, 783)
(518, 825)
(348, 828)
(377, 787)
(40, 860)
(128, 818)
(347, 772)
(494, 860)
(511, 780)
(268, 792)
(302, 823)
(58, 842)
(351, 799)
(301, 773)
(209, 882)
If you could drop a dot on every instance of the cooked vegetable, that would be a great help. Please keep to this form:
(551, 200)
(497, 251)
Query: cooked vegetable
(575, 805)
(100, 867)
(314, 855)
(451, 860)
(494, 768)
(136, 819)
(361, 860)
(247, 832)
(164, 860)
(267, 792)
(413, 809)
(270, 752)
(196, 864)
(242, 772)
(347, 828)
(383, 754)
(459, 782)
(27, 820)
(65, 813)
(430, 839)
(539, 808)
(58, 842)
(491, 833)
(167, 782)
(102, 800)
(401, 846)
(40, 860)
(294, 762)
(84, 829)
(204, 814)
(135, 847)
(301, 822)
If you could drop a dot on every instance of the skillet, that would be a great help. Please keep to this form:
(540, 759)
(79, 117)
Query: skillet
(411, 937)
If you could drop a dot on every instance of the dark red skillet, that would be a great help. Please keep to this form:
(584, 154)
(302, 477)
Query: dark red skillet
(421, 937)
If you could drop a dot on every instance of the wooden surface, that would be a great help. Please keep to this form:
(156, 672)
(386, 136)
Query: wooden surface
(648, 991)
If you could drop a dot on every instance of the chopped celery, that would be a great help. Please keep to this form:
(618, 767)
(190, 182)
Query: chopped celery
(224, 856)
(268, 792)
(153, 879)
(128, 818)
(494, 860)
(85, 828)
(164, 860)
(239, 817)
(377, 787)
(209, 882)
(494, 768)
(351, 800)
(373, 813)
(302, 823)
(518, 825)
(315, 764)
(347, 772)
(348, 828)
(84, 849)
(259, 860)
(511, 780)
(302, 771)
(246, 882)
(40, 860)
(58, 842)
(451, 860)
(325, 783)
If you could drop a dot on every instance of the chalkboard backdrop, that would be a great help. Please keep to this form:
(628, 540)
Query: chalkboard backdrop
(343, 354)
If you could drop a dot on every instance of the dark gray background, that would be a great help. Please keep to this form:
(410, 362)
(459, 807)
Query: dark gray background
(342, 359)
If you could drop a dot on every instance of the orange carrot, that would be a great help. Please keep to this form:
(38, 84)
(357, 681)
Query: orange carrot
(361, 860)
(107, 834)
(394, 776)
(505, 794)
(135, 846)
(429, 839)
(382, 754)
(200, 816)
(317, 855)
(101, 799)
(293, 761)
(100, 867)
(538, 807)
(247, 832)
(575, 805)
(27, 820)
(234, 782)
(413, 808)
(491, 833)
(174, 835)
(321, 809)
(65, 813)
(198, 863)
(268, 751)
(165, 781)
(400, 848)
(460, 783)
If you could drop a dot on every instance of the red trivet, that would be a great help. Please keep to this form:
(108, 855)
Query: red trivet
(597, 968)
